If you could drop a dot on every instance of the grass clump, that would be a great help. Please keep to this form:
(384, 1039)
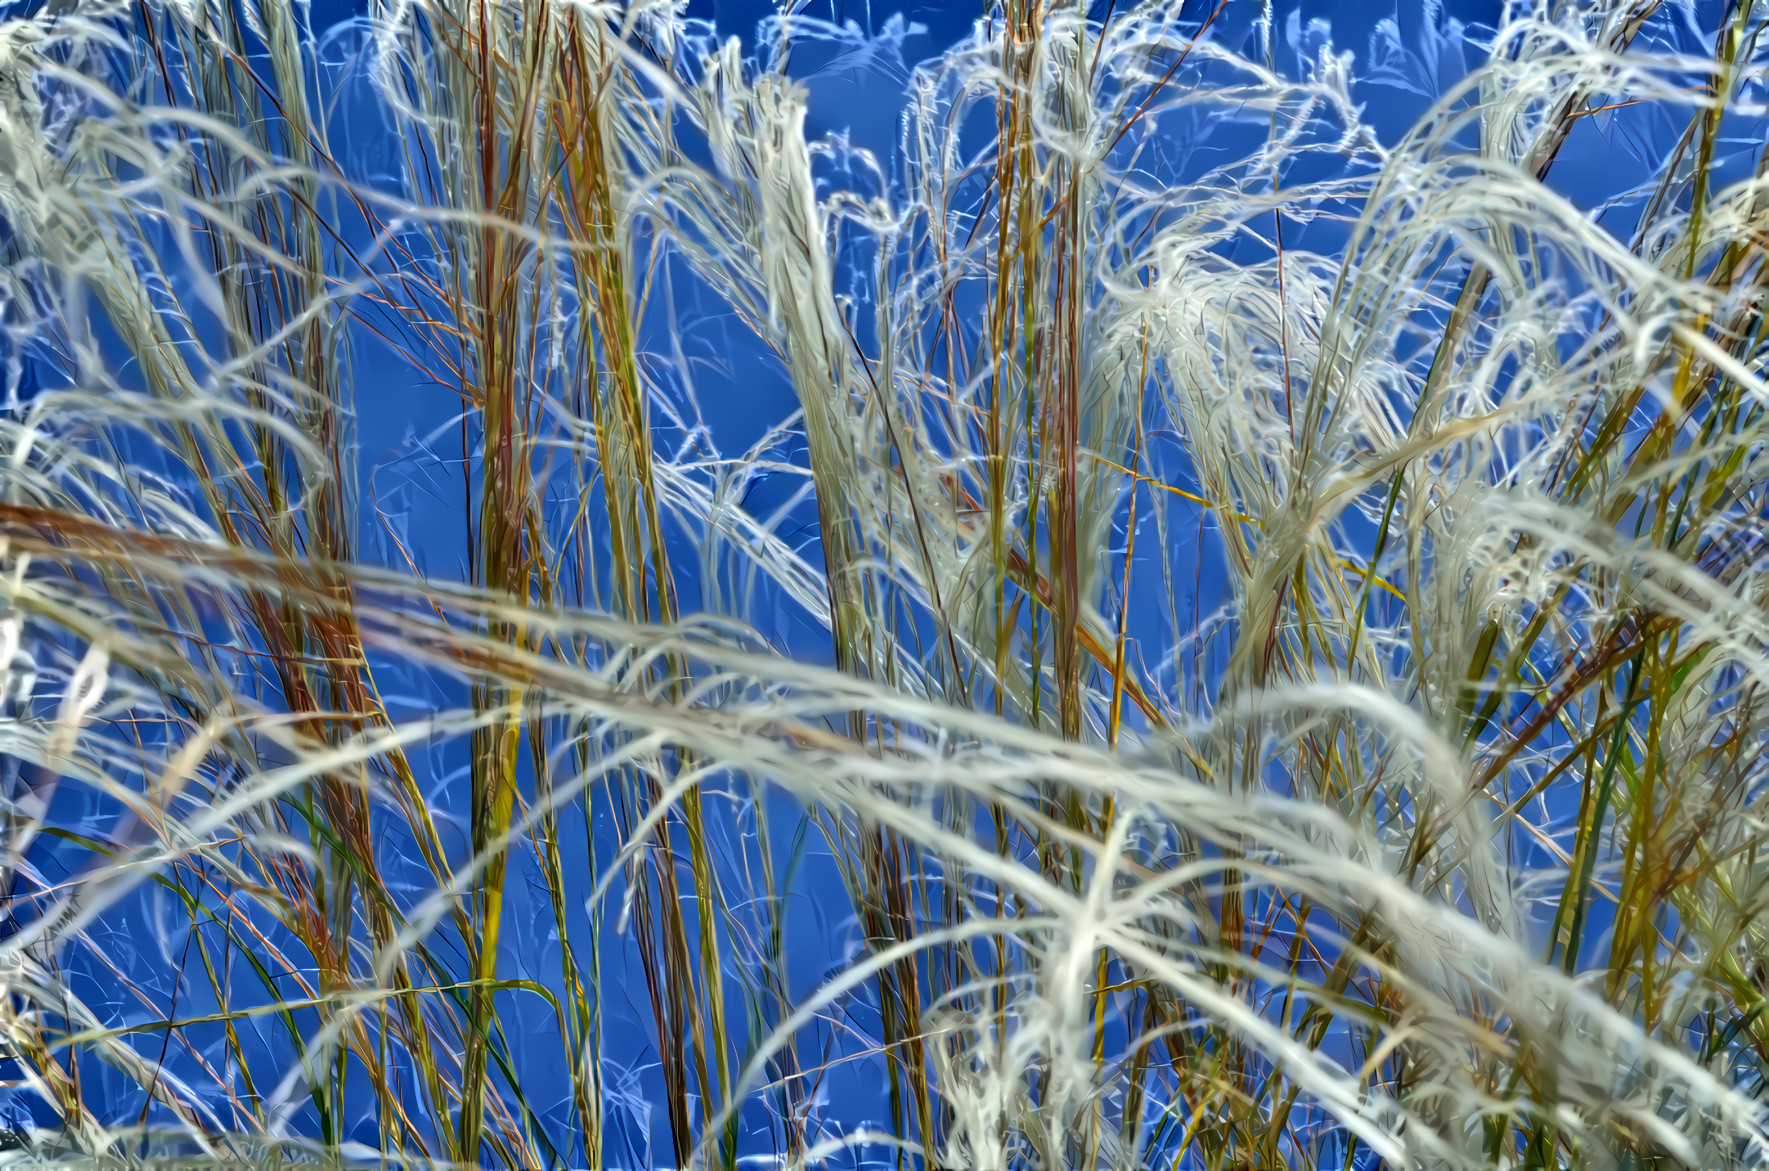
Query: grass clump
(1436, 843)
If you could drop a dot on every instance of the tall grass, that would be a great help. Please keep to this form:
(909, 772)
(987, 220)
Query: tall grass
(1438, 842)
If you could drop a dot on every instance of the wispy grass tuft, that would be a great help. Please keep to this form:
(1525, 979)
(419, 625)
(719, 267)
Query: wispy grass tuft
(1285, 597)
